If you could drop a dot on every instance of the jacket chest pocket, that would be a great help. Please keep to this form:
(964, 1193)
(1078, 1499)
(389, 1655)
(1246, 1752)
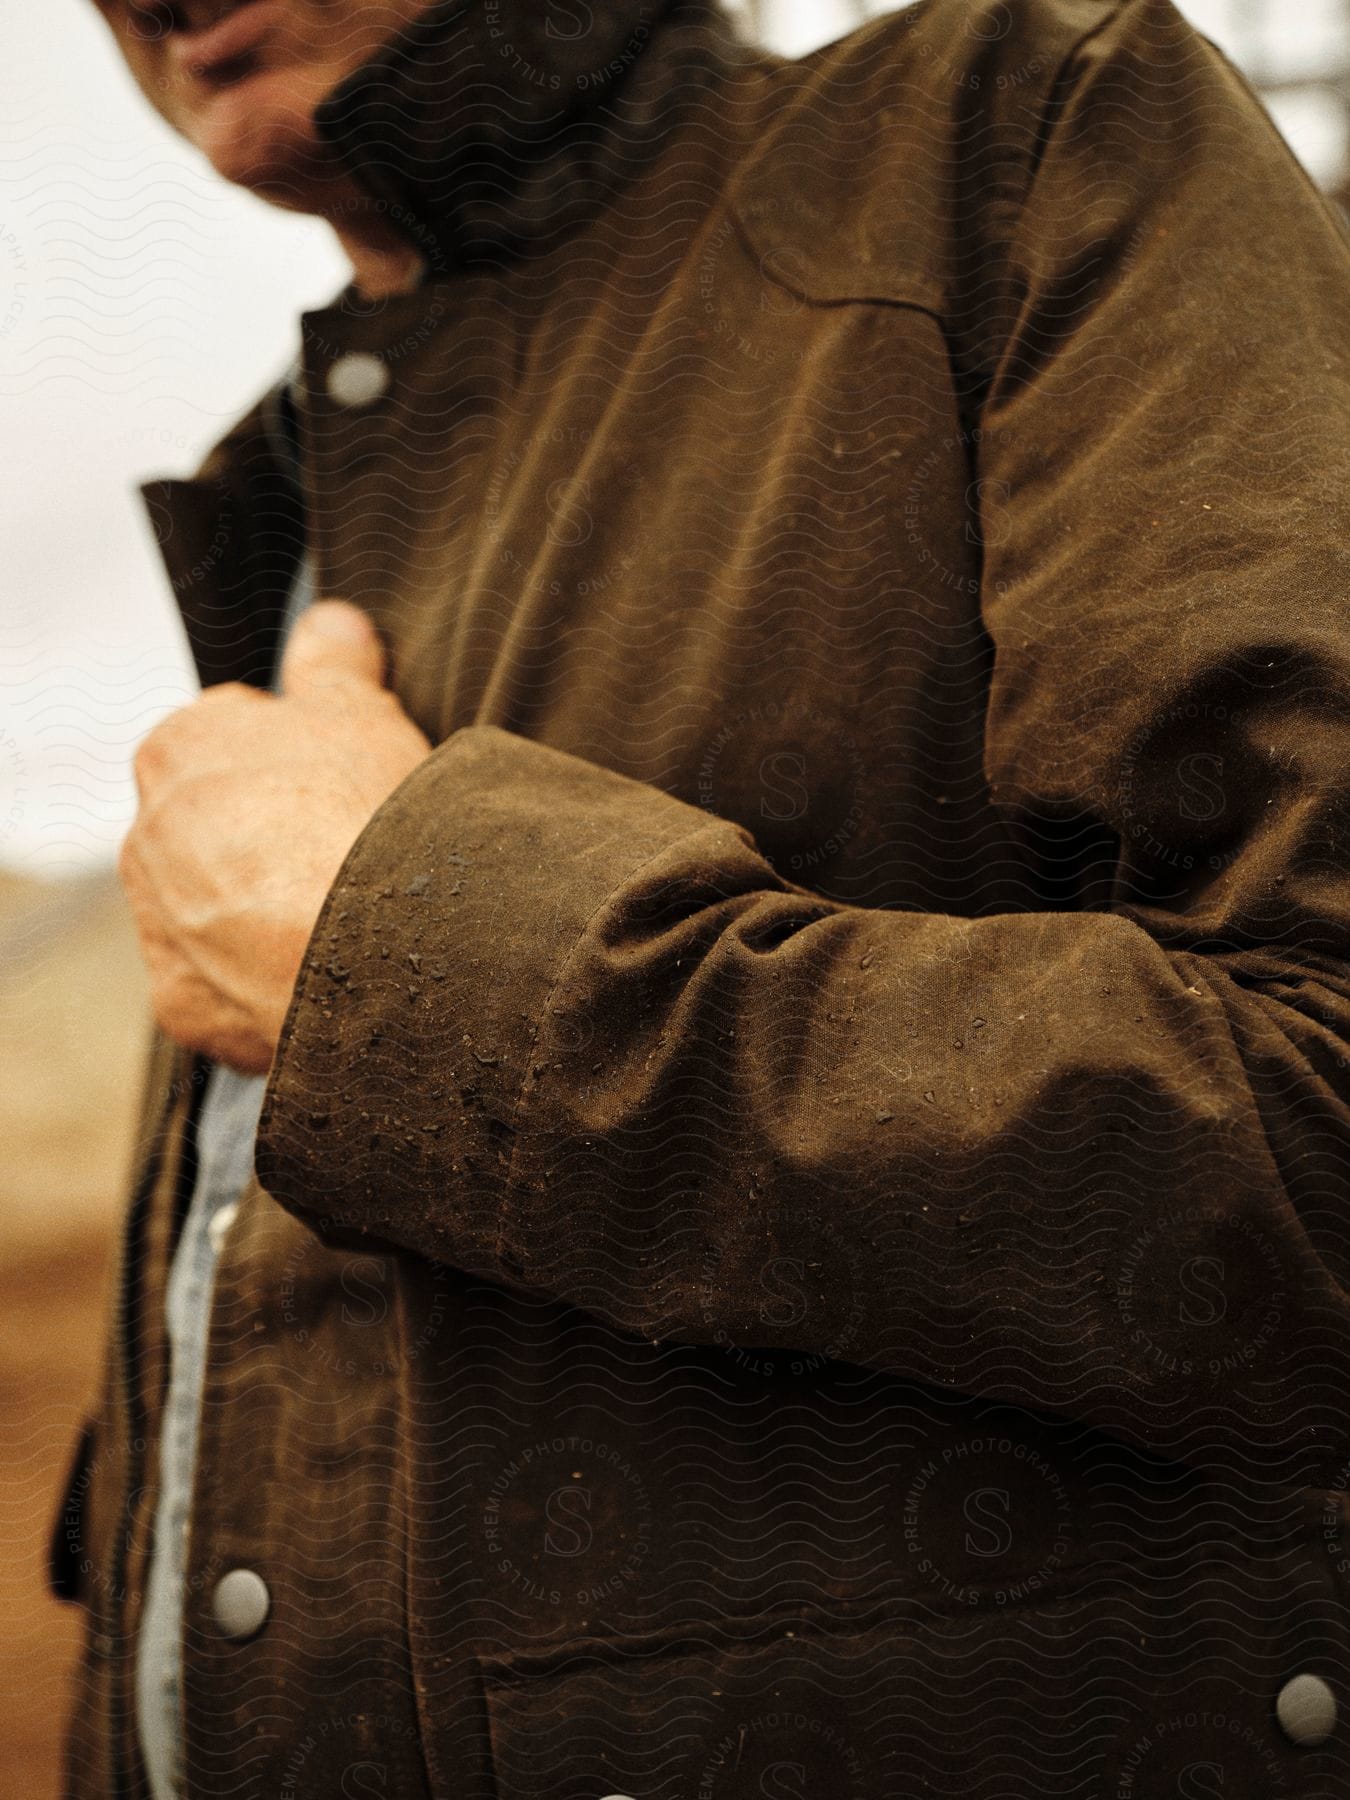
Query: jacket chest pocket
(1016, 1701)
(683, 1715)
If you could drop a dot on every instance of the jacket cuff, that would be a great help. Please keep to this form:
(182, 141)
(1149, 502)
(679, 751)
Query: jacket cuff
(392, 1103)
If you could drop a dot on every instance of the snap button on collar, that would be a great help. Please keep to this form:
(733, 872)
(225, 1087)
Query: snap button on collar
(357, 379)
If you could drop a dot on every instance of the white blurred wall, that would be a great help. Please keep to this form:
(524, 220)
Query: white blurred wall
(143, 305)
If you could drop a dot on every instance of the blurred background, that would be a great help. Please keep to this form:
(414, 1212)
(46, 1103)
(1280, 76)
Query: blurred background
(143, 305)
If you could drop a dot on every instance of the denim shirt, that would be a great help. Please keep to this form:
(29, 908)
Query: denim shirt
(226, 1128)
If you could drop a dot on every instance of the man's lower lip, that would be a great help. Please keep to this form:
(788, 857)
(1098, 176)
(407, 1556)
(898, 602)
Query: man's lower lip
(235, 36)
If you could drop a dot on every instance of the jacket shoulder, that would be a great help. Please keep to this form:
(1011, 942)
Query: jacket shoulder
(890, 147)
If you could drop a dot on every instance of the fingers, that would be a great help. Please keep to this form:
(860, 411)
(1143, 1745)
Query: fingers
(332, 645)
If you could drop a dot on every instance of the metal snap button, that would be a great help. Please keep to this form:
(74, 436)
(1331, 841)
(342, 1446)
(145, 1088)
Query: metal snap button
(241, 1603)
(1306, 1709)
(357, 379)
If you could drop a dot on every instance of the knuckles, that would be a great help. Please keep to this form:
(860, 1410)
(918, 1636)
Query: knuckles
(159, 748)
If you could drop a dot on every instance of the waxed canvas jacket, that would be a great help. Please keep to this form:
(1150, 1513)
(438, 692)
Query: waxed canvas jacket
(802, 1221)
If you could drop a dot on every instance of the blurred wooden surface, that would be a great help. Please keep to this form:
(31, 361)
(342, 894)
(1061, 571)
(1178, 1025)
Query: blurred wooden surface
(73, 1023)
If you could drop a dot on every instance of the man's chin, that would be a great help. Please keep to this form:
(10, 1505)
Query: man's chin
(266, 142)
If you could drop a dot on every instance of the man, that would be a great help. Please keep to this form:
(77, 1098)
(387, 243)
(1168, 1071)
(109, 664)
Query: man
(787, 924)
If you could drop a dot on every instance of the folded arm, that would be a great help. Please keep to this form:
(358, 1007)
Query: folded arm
(572, 1035)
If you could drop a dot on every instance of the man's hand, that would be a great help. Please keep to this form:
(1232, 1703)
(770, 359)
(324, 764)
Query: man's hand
(248, 805)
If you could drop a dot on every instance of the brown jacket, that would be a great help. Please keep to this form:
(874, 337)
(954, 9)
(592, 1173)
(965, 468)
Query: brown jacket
(804, 1208)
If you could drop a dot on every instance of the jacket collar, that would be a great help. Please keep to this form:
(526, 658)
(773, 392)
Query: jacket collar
(492, 126)
(478, 147)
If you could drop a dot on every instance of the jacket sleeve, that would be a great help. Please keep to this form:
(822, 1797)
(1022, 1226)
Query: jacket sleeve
(576, 1037)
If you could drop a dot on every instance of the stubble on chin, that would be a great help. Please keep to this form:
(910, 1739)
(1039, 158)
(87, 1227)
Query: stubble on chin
(267, 142)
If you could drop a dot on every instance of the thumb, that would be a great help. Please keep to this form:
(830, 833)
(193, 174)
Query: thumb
(332, 644)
